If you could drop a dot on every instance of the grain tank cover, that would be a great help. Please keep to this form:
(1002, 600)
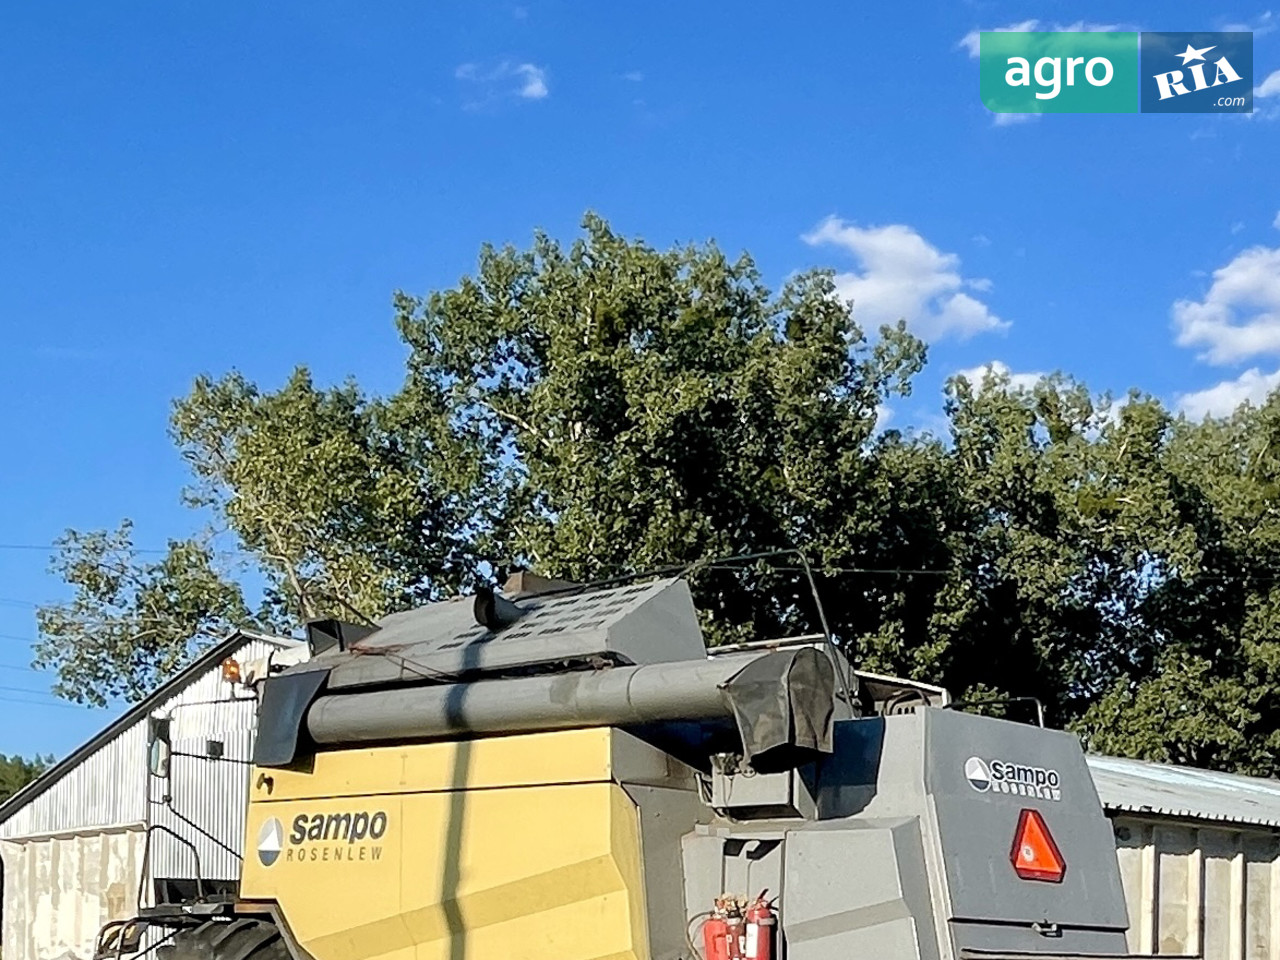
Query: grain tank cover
(639, 624)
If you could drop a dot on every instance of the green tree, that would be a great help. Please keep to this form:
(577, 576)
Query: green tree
(1129, 560)
(605, 407)
(1208, 691)
(637, 407)
(337, 504)
(1068, 514)
(131, 622)
(350, 506)
(16, 772)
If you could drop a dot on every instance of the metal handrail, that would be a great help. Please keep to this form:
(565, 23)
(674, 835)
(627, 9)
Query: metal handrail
(146, 860)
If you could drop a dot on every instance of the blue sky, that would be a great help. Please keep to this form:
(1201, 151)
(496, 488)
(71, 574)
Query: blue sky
(190, 187)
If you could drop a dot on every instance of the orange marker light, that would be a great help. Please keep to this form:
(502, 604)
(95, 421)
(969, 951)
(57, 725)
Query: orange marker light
(230, 671)
(1035, 856)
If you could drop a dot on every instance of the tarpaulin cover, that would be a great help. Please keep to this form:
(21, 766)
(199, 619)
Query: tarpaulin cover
(784, 706)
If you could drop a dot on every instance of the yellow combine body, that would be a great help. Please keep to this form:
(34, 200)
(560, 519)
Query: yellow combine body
(514, 847)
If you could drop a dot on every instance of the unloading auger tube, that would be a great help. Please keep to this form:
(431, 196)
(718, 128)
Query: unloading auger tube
(497, 667)
(614, 697)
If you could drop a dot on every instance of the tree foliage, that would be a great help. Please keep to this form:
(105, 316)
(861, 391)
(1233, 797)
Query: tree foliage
(131, 622)
(604, 407)
(635, 408)
(16, 772)
(347, 503)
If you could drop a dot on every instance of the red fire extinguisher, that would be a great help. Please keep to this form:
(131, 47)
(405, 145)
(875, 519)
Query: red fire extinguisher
(735, 927)
(760, 923)
(717, 944)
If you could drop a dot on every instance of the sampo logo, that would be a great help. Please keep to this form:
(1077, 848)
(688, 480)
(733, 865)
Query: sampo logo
(351, 827)
(1000, 776)
(318, 837)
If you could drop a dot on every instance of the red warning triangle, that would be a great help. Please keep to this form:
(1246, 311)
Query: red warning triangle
(1035, 856)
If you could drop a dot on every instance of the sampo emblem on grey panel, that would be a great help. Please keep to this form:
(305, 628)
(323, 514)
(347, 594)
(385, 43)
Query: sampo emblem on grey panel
(1023, 780)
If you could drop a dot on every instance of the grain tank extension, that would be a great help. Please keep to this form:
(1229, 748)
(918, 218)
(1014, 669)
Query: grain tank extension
(570, 776)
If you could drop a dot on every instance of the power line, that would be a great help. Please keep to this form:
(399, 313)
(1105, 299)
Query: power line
(152, 550)
(39, 693)
(54, 546)
(47, 703)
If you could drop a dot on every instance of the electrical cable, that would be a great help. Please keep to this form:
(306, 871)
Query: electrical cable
(50, 703)
(688, 932)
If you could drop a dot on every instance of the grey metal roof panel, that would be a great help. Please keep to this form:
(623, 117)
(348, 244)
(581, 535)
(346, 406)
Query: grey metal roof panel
(1138, 786)
(643, 623)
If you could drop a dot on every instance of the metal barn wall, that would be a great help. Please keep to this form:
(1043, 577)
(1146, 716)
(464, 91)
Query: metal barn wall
(73, 855)
(109, 788)
(60, 890)
(203, 792)
(1200, 888)
(104, 790)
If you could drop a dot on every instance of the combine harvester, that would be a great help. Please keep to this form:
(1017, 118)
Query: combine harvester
(569, 776)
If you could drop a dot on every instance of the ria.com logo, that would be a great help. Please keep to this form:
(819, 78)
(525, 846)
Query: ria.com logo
(323, 837)
(1116, 72)
(999, 776)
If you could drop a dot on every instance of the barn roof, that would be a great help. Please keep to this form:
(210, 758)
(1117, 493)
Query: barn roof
(1158, 789)
(193, 671)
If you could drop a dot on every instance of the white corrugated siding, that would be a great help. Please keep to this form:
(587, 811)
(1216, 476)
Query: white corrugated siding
(1141, 787)
(1207, 889)
(73, 855)
(109, 787)
(208, 793)
(59, 891)
(106, 789)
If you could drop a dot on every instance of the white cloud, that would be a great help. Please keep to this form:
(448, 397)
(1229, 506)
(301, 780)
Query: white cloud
(1276, 222)
(1237, 227)
(1010, 119)
(534, 86)
(1239, 317)
(900, 275)
(1252, 386)
(884, 414)
(635, 76)
(1270, 87)
(526, 81)
(997, 370)
(1260, 27)
(972, 41)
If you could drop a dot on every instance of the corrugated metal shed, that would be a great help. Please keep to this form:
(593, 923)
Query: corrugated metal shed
(1135, 786)
(73, 841)
(1199, 856)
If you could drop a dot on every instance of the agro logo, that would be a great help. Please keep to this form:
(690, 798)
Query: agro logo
(997, 776)
(270, 841)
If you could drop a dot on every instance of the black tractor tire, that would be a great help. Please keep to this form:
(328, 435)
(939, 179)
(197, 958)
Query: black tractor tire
(240, 938)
